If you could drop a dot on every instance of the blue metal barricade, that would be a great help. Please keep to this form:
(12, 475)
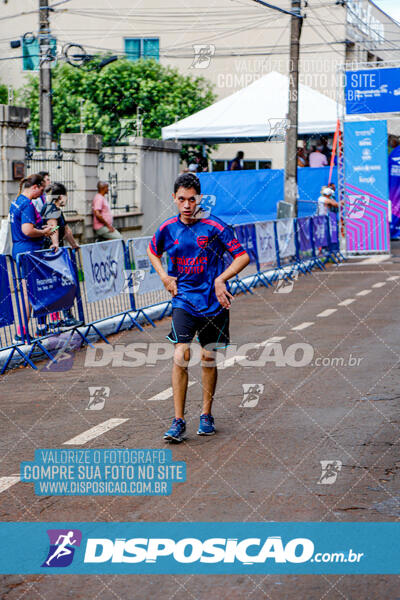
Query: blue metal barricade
(116, 280)
(147, 288)
(105, 284)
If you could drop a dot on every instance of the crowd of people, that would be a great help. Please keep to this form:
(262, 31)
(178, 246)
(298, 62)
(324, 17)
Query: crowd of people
(37, 222)
(318, 156)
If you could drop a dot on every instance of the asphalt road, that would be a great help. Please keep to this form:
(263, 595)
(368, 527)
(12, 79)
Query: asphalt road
(264, 462)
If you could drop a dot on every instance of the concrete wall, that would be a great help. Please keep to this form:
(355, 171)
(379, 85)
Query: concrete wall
(158, 167)
(13, 123)
(153, 164)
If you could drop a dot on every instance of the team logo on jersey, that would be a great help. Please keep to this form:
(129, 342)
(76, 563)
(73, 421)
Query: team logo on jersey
(202, 241)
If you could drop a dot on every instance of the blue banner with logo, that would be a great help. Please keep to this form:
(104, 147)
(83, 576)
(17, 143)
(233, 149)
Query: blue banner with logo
(6, 312)
(200, 548)
(251, 196)
(246, 234)
(50, 279)
(366, 186)
(372, 91)
(394, 191)
(320, 233)
(333, 227)
(303, 228)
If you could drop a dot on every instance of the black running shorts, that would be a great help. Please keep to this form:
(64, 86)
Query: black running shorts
(211, 331)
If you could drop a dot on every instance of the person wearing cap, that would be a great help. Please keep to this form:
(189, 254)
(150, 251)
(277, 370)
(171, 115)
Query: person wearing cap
(326, 201)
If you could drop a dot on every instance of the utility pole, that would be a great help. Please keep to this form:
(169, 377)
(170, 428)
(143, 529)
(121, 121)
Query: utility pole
(45, 92)
(293, 114)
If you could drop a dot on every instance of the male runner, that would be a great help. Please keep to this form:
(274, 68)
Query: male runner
(196, 280)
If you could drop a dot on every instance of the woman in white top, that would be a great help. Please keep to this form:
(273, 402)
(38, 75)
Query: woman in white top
(326, 201)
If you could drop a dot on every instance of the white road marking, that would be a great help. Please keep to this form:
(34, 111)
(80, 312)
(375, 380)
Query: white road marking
(94, 432)
(303, 326)
(346, 302)
(273, 340)
(7, 482)
(165, 394)
(229, 362)
(379, 284)
(393, 278)
(363, 292)
(327, 312)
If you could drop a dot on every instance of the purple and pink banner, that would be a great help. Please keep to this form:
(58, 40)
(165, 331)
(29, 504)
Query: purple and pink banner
(394, 191)
(366, 186)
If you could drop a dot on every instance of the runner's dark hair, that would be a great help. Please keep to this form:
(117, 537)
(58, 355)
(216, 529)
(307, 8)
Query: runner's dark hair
(187, 180)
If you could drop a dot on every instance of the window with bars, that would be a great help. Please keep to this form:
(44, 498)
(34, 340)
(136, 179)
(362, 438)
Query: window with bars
(136, 48)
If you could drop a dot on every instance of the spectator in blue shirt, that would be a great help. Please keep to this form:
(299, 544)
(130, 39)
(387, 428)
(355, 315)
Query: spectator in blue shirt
(26, 228)
(26, 224)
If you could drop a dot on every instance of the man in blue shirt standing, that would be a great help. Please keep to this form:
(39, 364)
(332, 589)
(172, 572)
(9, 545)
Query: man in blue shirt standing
(200, 300)
(27, 232)
(26, 223)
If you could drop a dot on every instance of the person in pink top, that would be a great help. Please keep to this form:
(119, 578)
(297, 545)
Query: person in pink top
(316, 158)
(102, 215)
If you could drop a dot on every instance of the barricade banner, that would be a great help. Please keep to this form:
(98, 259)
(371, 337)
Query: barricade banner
(6, 312)
(319, 231)
(303, 226)
(246, 234)
(104, 269)
(146, 278)
(50, 279)
(285, 233)
(394, 191)
(333, 227)
(366, 186)
(265, 238)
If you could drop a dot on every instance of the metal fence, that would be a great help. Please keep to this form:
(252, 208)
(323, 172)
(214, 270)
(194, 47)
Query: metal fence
(59, 164)
(279, 249)
(117, 166)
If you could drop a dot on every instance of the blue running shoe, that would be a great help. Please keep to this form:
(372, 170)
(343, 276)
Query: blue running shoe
(176, 431)
(206, 426)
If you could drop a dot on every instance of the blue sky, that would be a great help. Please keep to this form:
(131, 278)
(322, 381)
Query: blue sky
(391, 7)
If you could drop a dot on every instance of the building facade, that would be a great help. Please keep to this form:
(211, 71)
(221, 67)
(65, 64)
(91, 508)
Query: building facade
(229, 43)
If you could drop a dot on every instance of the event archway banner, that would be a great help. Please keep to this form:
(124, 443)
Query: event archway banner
(366, 186)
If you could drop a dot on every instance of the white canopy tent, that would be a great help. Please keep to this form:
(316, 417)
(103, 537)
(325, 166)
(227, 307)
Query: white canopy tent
(253, 113)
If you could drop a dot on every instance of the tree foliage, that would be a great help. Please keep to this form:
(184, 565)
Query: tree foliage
(3, 94)
(102, 97)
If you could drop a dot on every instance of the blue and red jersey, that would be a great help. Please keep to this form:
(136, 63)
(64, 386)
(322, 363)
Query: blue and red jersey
(196, 259)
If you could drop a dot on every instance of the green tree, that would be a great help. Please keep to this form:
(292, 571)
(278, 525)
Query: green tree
(3, 94)
(102, 97)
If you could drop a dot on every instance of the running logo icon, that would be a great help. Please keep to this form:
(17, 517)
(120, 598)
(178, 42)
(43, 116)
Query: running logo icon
(61, 551)
(251, 394)
(330, 470)
(357, 206)
(98, 395)
(202, 55)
